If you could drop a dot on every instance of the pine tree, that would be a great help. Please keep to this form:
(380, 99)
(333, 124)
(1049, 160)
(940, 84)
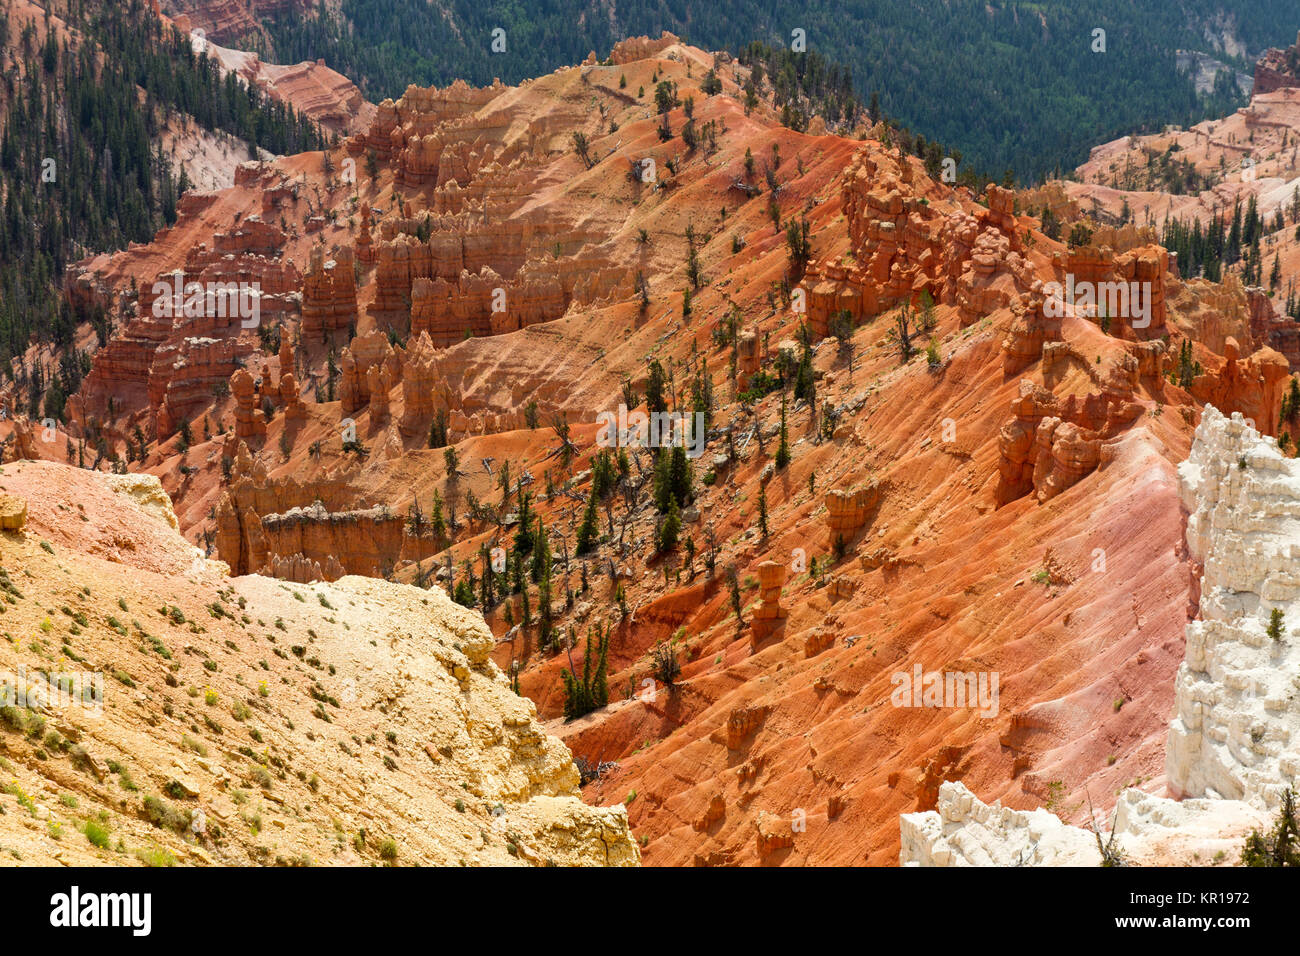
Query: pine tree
(1276, 624)
(670, 528)
(1281, 847)
(783, 449)
(591, 691)
(589, 530)
(1291, 402)
(487, 578)
(804, 386)
(679, 476)
(524, 536)
(437, 524)
(662, 487)
(541, 554)
(655, 384)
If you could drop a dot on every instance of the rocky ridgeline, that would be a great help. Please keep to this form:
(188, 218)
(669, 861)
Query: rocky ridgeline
(1234, 740)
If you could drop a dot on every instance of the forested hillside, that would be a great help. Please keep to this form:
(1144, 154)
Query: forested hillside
(81, 167)
(1010, 84)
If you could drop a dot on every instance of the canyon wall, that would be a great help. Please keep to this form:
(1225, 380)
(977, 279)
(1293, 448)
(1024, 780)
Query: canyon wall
(1234, 741)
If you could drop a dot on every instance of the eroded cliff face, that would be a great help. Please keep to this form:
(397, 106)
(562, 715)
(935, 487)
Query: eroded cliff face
(1236, 728)
(231, 19)
(376, 712)
(1232, 745)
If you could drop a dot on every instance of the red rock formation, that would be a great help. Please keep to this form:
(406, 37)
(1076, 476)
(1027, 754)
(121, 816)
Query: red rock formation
(848, 512)
(640, 48)
(364, 249)
(309, 541)
(1064, 453)
(1049, 443)
(747, 358)
(1271, 327)
(329, 294)
(379, 382)
(488, 187)
(185, 377)
(231, 19)
(769, 614)
(903, 246)
(364, 353)
(484, 304)
(419, 379)
(249, 422)
(21, 443)
(1138, 310)
(294, 407)
(1277, 69)
(1252, 386)
(181, 344)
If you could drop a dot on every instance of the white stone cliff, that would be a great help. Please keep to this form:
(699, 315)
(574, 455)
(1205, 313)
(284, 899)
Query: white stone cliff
(1236, 727)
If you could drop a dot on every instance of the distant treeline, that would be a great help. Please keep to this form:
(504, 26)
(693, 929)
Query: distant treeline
(1019, 85)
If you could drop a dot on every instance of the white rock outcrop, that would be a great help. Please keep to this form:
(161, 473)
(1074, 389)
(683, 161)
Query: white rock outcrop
(1150, 831)
(1236, 727)
(967, 832)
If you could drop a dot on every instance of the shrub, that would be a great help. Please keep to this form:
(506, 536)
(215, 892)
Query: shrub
(13, 718)
(1276, 623)
(164, 816)
(174, 789)
(670, 528)
(155, 856)
(666, 666)
(96, 834)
